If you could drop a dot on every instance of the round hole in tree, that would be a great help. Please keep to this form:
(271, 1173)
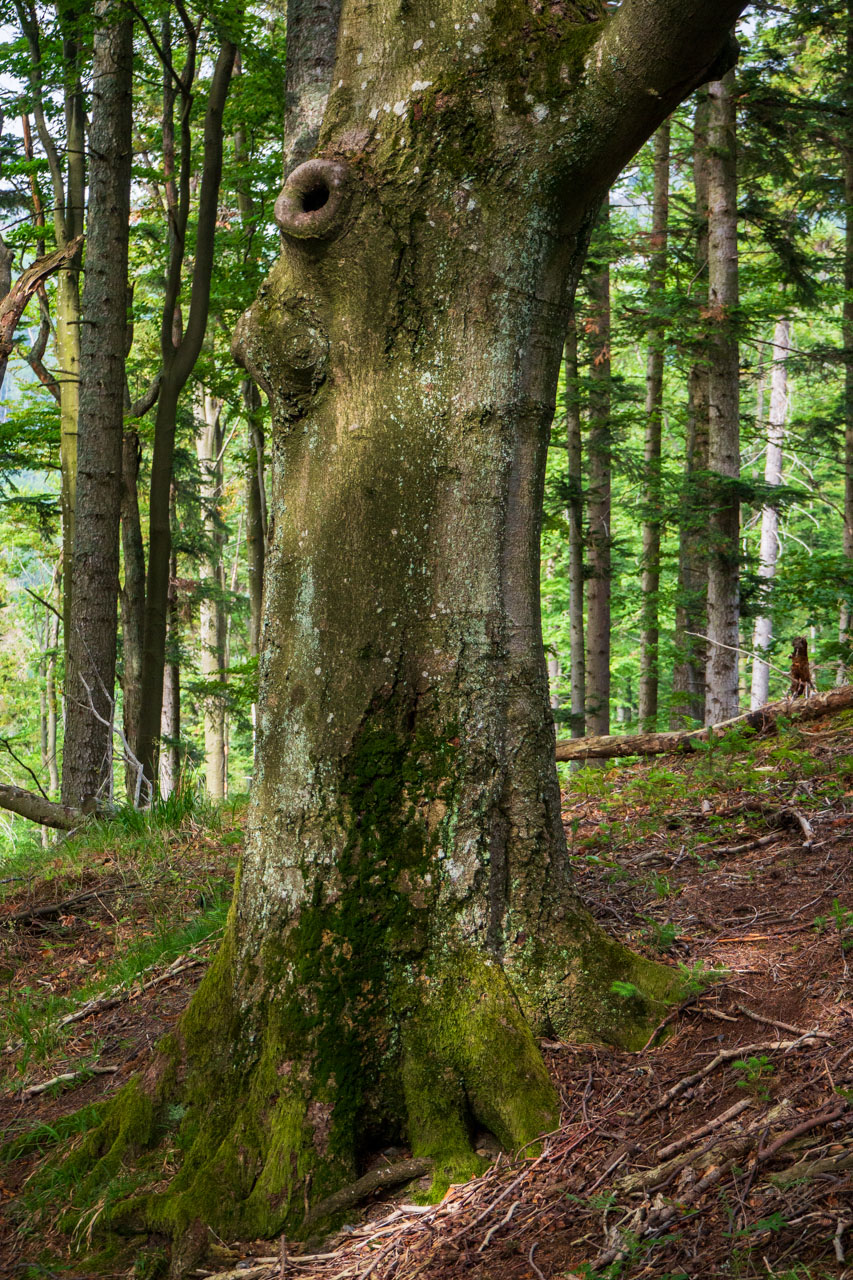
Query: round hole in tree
(315, 197)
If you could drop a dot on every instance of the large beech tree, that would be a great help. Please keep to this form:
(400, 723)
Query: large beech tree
(403, 922)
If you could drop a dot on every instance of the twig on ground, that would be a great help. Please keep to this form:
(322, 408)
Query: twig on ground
(66, 1078)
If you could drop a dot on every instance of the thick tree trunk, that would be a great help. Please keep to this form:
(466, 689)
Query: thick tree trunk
(600, 444)
(212, 606)
(769, 549)
(404, 919)
(90, 678)
(256, 514)
(574, 441)
(721, 672)
(650, 574)
(688, 677)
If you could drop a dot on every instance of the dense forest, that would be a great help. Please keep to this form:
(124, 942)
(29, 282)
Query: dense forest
(388, 393)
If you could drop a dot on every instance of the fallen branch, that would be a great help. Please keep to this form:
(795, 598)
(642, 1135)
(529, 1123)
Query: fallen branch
(27, 804)
(67, 1077)
(348, 1197)
(763, 720)
(50, 909)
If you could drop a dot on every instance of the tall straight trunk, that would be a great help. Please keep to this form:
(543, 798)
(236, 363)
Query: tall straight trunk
(90, 675)
(769, 549)
(600, 447)
(404, 921)
(846, 612)
(688, 677)
(50, 682)
(212, 608)
(721, 671)
(169, 761)
(650, 574)
(256, 513)
(132, 600)
(68, 181)
(574, 442)
(179, 358)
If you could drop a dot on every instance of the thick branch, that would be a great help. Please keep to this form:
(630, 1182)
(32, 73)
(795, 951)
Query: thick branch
(28, 805)
(12, 306)
(763, 720)
(649, 57)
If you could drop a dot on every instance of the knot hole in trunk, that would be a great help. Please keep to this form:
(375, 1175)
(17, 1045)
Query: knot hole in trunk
(313, 199)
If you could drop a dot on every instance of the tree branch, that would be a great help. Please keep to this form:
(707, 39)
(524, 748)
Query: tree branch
(763, 720)
(12, 306)
(27, 805)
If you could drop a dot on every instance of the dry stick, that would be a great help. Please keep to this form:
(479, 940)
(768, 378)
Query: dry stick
(57, 908)
(66, 1078)
(347, 1197)
(530, 1261)
(784, 1026)
(673, 1148)
(814, 1122)
(725, 1055)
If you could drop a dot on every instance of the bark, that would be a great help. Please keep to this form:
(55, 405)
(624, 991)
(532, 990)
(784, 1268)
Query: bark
(688, 680)
(721, 672)
(50, 683)
(212, 607)
(404, 920)
(769, 548)
(761, 720)
(575, 518)
(90, 678)
(599, 452)
(311, 34)
(132, 600)
(179, 358)
(650, 575)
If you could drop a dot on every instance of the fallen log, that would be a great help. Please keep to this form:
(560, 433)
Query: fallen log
(764, 720)
(29, 805)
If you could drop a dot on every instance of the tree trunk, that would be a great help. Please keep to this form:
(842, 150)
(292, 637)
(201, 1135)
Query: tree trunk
(598, 500)
(688, 678)
(169, 760)
(574, 442)
(90, 677)
(50, 682)
(846, 611)
(650, 575)
(769, 549)
(256, 514)
(721, 672)
(212, 606)
(132, 601)
(179, 359)
(404, 919)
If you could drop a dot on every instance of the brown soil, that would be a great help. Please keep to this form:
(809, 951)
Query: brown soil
(721, 874)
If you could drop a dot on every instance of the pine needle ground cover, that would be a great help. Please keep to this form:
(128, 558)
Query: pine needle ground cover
(723, 1148)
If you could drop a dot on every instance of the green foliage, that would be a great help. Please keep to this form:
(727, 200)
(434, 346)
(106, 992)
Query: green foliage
(754, 1072)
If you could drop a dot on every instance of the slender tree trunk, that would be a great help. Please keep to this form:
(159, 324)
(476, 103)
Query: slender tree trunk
(50, 683)
(598, 502)
(212, 608)
(846, 611)
(90, 678)
(688, 682)
(769, 550)
(721, 673)
(178, 362)
(404, 918)
(132, 599)
(256, 514)
(650, 576)
(576, 539)
(169, 763)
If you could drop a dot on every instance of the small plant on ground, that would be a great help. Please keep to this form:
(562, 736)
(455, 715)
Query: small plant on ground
(754, 1072)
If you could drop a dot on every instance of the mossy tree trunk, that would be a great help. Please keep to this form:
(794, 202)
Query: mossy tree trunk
(404, 922)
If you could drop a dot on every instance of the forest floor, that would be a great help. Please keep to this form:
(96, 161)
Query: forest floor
(724, 1148)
